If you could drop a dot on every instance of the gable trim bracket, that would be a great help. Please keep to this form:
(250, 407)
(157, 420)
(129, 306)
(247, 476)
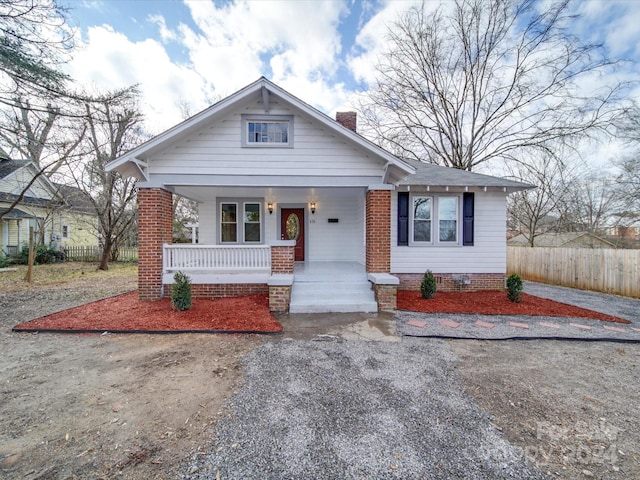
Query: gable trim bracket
(142, 168)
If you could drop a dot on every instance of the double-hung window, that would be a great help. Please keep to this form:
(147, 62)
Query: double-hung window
(267, 130)
(422, 213)
(229, 222)
(240, 227)
(252, 222)
(435, 219)
(448, 219)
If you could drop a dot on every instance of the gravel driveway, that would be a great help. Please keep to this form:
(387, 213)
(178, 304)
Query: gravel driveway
(353, 409)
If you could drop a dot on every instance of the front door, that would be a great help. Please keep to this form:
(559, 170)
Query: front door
(292, 228)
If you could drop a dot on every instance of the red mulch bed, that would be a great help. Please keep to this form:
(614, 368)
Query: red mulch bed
(493, 302)
(125, 313)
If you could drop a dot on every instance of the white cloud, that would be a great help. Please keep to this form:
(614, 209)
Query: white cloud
(296, 44)
(372, 40)
(236, 43)
(108, 60)
(165, 33)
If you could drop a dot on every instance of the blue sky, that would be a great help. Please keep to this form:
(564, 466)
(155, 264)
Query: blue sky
(187, 54)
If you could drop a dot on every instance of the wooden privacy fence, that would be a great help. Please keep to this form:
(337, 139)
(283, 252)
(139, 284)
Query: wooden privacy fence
(94, 253)
(601, 269)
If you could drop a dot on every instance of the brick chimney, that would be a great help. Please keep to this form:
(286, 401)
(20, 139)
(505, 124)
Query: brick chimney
(347, 119)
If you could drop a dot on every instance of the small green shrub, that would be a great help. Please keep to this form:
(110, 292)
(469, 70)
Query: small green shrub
(428, 286)
(514, 288)
(43, 254)
(181, 292)
(4, 261)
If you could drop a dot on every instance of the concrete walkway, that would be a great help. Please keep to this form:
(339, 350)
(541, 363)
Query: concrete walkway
(502, 327)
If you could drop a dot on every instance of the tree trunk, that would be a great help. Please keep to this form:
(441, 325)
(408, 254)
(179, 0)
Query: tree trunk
(104, 260)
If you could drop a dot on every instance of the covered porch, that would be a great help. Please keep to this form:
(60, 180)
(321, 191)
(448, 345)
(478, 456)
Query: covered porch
(320, 262)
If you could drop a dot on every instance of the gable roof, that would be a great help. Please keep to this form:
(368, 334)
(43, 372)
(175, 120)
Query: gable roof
(62, 195)
(8, 166)
(431, 175)
(134, 162)
(75, 198)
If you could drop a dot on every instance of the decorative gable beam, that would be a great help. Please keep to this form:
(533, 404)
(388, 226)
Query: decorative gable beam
(265, 99)
(143, 167)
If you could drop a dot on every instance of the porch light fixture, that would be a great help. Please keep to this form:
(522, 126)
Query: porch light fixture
(270, 207)
(313, 208)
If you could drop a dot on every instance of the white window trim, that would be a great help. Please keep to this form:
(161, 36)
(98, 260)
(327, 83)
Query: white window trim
(240, 206)
(435, 220)
(244, 130)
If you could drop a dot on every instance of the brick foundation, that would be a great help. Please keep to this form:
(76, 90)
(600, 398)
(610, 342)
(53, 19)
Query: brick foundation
(155, 228)
(279, 298)
(223, 290)
(445, 283)
(386, 296)
(378, 236)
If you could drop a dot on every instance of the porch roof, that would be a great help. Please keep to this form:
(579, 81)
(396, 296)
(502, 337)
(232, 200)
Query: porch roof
(427, 174)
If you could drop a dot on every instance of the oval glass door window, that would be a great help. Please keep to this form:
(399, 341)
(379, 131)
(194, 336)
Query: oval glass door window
(293, 227)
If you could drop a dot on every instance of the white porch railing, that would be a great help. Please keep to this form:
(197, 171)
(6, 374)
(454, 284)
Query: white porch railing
(216, 259)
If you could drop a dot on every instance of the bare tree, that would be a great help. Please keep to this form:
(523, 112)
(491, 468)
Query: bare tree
(627, 189)
(536, 211)
(34, 40)
(39, 136)
(113, 124)
(482, 79)
(46, 136)
(590, 205)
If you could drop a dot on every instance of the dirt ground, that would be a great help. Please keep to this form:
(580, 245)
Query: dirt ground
(141, 406)
(104, 406)
(571, 407)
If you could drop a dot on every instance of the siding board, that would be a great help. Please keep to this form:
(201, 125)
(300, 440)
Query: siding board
(216, 150)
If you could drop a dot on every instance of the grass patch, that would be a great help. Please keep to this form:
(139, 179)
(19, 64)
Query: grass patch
(60, 274)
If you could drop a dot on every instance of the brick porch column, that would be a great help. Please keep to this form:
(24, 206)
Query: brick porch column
(281, 279)
(378, 226)
(155, 228)
(282, 256)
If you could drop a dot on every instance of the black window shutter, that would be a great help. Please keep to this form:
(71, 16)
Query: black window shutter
(403, 218)
(467, 218)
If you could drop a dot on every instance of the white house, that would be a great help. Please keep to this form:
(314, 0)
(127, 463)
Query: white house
(296, 204)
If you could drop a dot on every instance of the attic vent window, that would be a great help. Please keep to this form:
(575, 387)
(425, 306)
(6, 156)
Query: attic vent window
(267, 131)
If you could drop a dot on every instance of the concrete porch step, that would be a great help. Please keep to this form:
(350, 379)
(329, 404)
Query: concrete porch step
(325, 296)
(331, 288)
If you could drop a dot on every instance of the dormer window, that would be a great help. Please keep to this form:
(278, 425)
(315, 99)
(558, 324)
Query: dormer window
(267, 131)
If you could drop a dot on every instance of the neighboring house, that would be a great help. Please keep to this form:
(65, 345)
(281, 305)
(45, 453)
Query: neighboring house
(296, 204)
(564, 240)
(59, 214)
